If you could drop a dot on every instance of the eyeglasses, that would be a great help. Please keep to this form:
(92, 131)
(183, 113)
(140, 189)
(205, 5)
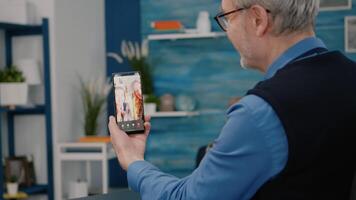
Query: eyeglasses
(224, 22)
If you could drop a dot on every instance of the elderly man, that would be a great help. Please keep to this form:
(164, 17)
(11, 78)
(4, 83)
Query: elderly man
(292, 137)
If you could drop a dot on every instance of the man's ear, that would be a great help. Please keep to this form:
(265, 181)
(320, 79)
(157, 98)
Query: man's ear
(260, 19)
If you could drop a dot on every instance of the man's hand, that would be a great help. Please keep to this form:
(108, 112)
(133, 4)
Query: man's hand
(128, 148)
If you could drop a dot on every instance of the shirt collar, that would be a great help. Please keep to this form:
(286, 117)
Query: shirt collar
(292, 53)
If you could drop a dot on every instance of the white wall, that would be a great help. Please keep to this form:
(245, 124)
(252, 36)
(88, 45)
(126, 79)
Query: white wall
(80, 51)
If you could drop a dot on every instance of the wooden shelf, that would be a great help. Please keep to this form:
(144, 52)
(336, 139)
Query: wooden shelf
(21, 29)
(178, 36)
(12, 26)
(81, 151)
(174, 114)
(38, 109)
(35, 189)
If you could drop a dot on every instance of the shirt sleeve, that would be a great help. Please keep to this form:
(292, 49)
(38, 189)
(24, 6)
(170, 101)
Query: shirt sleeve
(251, 149)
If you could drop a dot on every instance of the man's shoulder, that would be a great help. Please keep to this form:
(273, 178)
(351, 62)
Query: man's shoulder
(253, 104)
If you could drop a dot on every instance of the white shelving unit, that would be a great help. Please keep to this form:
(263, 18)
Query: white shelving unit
(179, 36)
(84, 152)
(174, 114)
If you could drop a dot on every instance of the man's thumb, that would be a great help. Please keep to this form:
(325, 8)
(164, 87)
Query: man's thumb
(113, 128)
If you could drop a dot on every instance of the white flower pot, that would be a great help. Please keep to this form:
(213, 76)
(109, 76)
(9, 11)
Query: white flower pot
(149, 108)
(78, 189)
(12, 94)
(203, 22)
(12, 188)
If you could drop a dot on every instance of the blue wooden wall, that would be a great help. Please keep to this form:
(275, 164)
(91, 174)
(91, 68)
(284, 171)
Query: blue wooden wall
(122, 22)
(209, 71)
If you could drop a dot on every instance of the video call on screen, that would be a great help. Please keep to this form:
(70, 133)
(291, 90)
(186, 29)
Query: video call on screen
(128, 101)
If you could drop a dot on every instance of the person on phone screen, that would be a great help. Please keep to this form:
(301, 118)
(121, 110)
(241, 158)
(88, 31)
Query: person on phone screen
(119, 103)
(126, 106)
(291, 137)
(137, 96)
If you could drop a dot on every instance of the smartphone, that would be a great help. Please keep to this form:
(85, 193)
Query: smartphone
(129, 102)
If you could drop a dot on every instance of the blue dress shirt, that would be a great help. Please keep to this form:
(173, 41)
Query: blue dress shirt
(251, 149)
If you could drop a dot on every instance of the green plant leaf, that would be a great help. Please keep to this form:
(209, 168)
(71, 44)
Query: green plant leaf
(13, 179)
(151, 98)
(94, 94)
(11, 75)
(145, 70)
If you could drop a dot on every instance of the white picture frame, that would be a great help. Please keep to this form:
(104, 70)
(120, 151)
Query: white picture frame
(332, 5)
(350, 34)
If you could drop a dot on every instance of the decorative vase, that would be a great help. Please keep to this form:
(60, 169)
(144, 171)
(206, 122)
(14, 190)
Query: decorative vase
(25, 12)
(166, 103)
(203, 22)
(30, 69)
(12, 188)
(185, 103)
(12, 94)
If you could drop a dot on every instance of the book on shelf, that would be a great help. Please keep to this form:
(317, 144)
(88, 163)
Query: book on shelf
(104, 139)
(171, 25)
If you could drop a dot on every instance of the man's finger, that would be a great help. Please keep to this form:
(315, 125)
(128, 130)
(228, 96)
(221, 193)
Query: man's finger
(147, 128)
(114, 129)
(112, 125)
(147, 118)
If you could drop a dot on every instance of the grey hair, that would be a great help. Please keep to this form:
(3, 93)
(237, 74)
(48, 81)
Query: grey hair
(288, 15)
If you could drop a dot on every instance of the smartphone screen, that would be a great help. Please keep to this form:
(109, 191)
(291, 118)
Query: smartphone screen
(129, 102)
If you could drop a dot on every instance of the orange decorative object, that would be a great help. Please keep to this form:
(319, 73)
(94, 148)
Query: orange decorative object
(104, 139)
(167, 25)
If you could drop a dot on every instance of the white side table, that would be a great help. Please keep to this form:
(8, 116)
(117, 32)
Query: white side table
(87, 152)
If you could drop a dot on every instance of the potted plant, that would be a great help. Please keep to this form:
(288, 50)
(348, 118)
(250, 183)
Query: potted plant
(12, 185)
(13, 89)
(94, 94)
(137, 57)
(150, 104)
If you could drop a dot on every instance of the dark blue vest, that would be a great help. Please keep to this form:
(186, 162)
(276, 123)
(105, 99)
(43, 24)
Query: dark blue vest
(315, 99)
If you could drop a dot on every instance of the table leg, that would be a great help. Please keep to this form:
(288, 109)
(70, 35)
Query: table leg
(88, 173)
